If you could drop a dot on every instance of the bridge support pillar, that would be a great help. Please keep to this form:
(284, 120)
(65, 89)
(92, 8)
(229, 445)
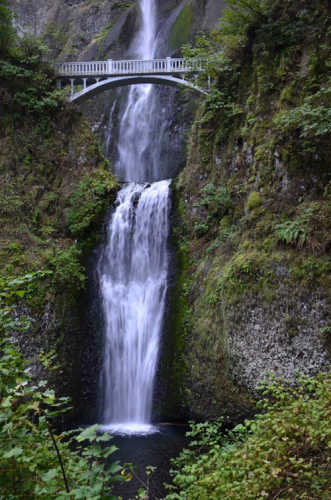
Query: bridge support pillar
(59, 84)
(72, 81)
(84, 82)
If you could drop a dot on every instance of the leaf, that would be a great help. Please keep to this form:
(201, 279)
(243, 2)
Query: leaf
(115, 467)
(15, 452)
(105, 437)
(51, 474)
(89, 433)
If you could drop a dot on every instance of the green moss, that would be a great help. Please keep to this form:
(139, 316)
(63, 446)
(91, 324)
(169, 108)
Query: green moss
(89, 201)
(177, 324)
(311, 270)
(254, 200)
(181, 29)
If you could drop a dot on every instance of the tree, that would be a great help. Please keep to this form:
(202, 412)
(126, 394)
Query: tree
(6, 28)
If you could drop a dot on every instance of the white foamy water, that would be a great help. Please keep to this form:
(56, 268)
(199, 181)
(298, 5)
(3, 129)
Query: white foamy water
(133, 278)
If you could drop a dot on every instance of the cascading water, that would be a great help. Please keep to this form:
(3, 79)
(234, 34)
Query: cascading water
(138, 158)
(134, 266)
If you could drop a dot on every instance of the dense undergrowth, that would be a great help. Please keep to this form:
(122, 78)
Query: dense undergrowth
(37, 462)
(284, 453)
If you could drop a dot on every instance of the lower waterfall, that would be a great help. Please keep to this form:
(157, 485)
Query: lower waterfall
(133, 279)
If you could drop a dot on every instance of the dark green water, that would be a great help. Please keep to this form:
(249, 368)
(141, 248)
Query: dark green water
(152, 449)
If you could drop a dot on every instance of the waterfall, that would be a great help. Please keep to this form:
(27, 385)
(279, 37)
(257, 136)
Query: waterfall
(133, 267)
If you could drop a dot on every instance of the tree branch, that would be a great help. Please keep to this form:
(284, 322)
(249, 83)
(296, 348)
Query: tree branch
(59, 458)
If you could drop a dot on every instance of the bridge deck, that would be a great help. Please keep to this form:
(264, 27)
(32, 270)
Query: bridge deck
(128, 67)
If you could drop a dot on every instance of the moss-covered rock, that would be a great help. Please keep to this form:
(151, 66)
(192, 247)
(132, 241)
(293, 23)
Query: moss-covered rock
(182, 28)
(258, 274)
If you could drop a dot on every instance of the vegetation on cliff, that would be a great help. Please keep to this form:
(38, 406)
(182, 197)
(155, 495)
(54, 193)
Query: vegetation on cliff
(55, 187)
(55, 183)
(253, 206)
(252, 212)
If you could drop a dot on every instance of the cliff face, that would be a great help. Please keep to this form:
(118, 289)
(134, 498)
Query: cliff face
(89, 30)
(55, 187)
(251, 219)
(251, 207)
(77, 30)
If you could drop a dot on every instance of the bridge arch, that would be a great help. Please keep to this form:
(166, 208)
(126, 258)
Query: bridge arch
(121, 81)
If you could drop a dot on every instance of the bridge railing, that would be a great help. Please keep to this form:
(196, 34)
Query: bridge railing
(129, 67)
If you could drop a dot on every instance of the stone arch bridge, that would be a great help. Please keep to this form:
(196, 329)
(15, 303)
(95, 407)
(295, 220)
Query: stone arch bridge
(96, 76)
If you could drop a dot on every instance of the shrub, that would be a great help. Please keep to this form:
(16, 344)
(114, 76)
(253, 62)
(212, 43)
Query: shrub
(89, 200)
(68, 271)
(27, 81)
(311, 121)
(254, 200)
(217, 200)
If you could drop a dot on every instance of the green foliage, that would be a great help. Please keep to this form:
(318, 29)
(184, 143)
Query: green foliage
(68, 270)
(309, 228)
(6, 29)
(283, 453)
(220, 104)
(201, 229)
(35, 462)
(27, 82)
(311, 121)
(238, 18)
(21, 287)
(277, 24)
(217, 200)
(292, 232)
(89, 201)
